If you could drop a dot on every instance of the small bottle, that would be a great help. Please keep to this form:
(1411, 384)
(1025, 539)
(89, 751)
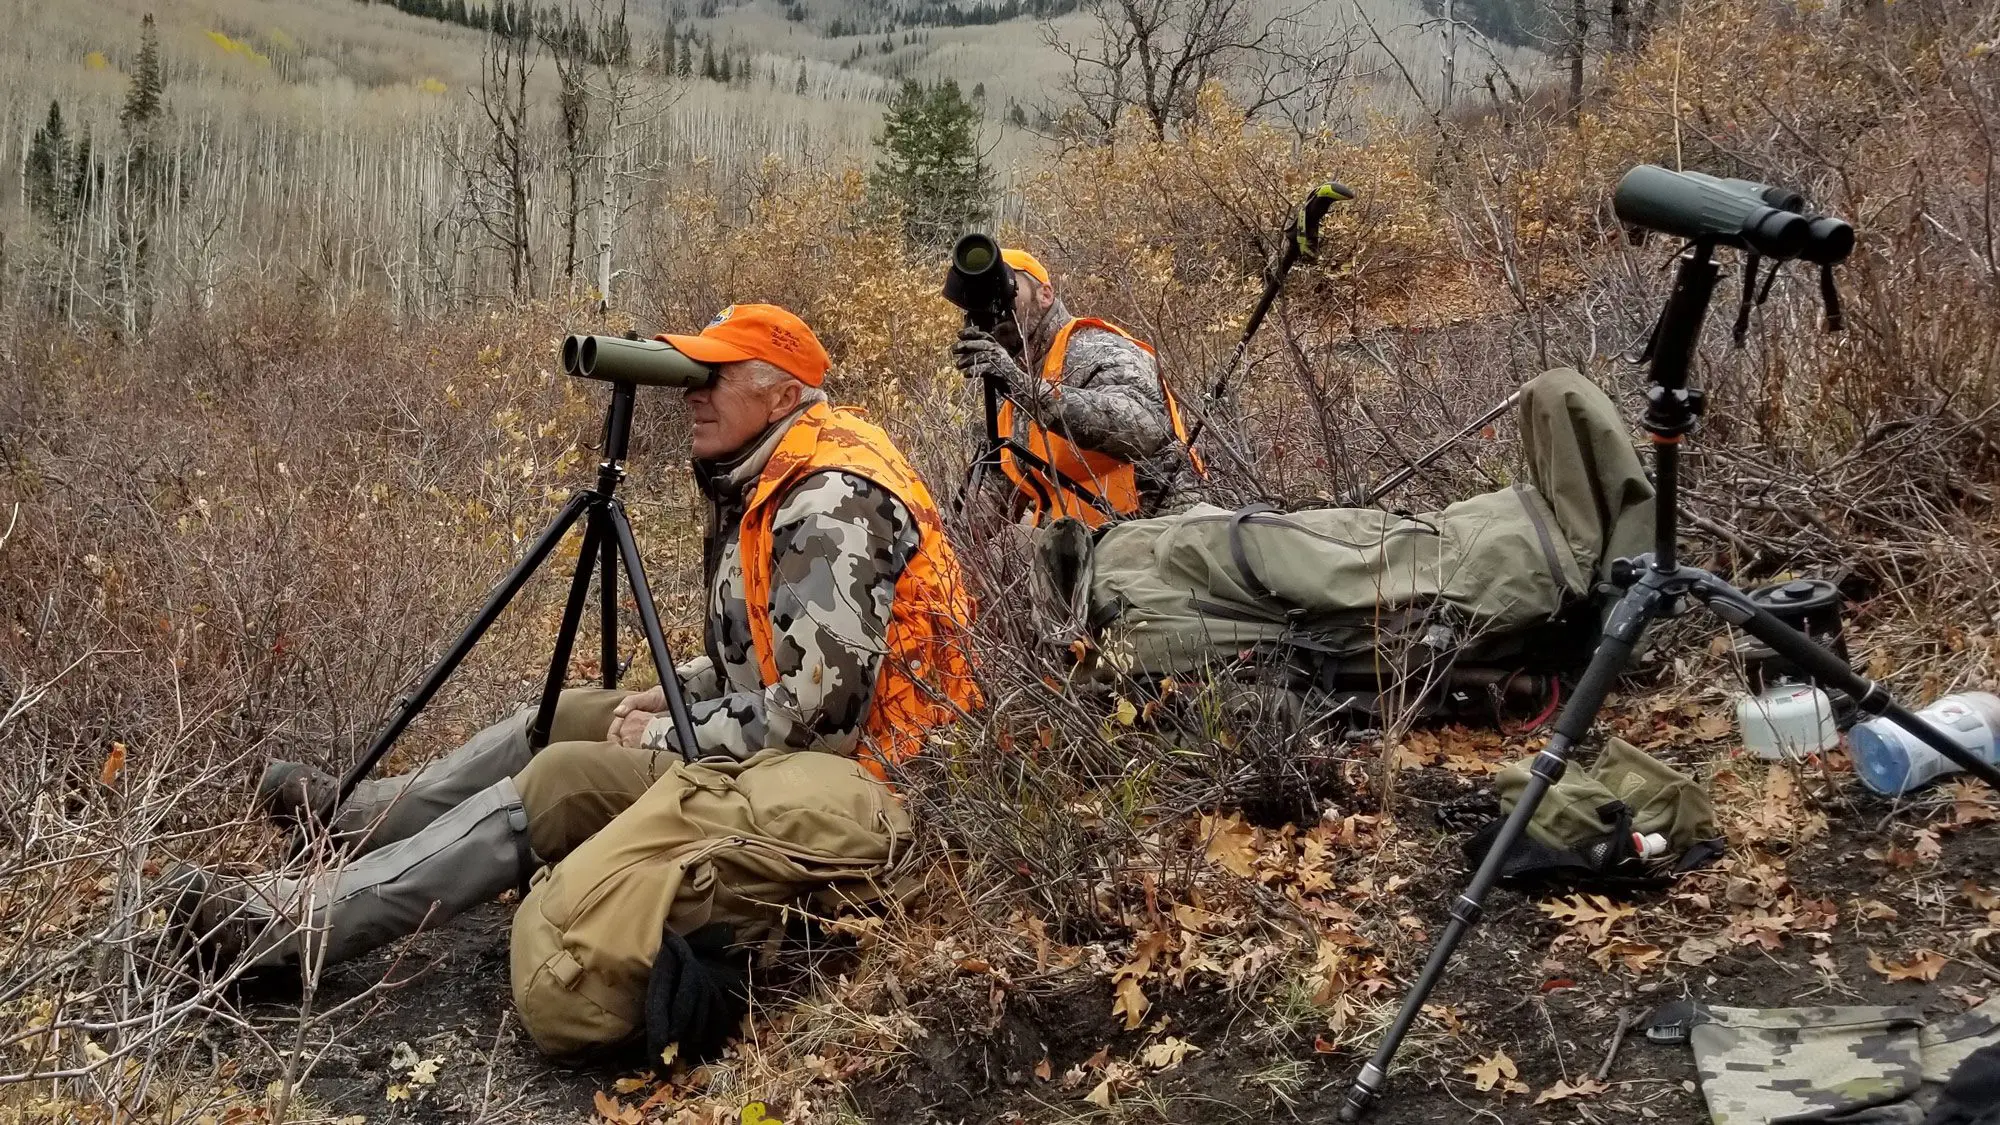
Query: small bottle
(1892, 761)
(1787, 721)
(1649, 844)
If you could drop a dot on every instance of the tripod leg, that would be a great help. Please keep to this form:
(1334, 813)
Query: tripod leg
(1639, 605)
(656, 639)
(607, 604)
(1733, 606)
(579, 589)
(490, 612)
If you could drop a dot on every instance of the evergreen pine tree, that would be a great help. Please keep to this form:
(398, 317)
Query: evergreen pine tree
(708, 60)
(799, 87)
(928, 163)
(684, 66)
(722, 69)
(48, 168)
(142, 99)
(667, 46)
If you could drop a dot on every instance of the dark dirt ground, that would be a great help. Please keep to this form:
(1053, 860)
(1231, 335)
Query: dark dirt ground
(450, 1003)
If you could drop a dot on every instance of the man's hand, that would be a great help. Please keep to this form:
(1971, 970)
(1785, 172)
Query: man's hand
(977, 355)
(629, 729)
(629, 718)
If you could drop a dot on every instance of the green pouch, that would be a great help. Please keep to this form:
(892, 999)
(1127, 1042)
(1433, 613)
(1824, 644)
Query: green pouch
(1580, 807)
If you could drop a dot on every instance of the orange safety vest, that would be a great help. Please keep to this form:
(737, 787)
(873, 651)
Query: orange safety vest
(925, 680)
(1111, 478)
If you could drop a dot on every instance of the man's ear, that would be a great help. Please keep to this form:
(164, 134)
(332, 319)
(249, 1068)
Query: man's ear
(787, 398)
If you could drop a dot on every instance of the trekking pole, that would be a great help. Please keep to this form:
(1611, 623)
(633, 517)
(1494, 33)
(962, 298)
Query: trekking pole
(1368, 496)
(1301, 241)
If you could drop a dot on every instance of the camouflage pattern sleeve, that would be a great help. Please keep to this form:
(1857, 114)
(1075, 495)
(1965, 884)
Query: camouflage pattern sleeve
(1109, 398)
(699, 680)
(839, 545)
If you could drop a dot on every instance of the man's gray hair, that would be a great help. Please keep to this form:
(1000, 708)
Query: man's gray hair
(767, 375)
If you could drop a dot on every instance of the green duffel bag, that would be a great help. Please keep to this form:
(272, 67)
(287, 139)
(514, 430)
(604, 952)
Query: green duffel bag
(1210, 589)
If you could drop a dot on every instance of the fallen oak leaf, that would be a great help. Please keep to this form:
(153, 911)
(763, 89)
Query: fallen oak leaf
(1130, 1003)
(1043, 1069)
(1593, 916)
(1637, 956)
(1979, 896)
(1700, 951)
(1925, 966)
(1588, 1088)
(1491, 1071)
(611, 1109)
(630, 1085)
(1168, 1053)
(1231, 843)
(1971, 804)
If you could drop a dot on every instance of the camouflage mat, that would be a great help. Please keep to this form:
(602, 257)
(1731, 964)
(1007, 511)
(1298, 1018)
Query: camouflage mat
(1852, 1065)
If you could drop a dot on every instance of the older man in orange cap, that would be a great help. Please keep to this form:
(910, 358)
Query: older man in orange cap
(835, 609)
(1094, 407)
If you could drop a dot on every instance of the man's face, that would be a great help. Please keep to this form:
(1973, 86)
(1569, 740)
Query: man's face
(1031, 302)
(737, 407)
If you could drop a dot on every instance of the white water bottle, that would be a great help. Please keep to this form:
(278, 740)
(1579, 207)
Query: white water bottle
(1787, 721)
(1892, 761)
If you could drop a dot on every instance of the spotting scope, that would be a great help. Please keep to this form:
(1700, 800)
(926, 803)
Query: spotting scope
(643, 363)
(982, 283)
(1745, 214)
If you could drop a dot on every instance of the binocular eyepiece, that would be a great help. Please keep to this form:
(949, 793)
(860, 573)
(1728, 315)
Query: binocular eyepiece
(1760, 218)
(645, 363)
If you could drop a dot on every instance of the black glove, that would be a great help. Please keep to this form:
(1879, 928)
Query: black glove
(698, 994)
(977, 355)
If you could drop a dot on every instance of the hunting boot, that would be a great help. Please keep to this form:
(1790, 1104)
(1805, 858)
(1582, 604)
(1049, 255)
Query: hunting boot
(459, 860)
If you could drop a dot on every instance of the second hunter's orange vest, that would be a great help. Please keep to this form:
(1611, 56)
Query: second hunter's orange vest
(925, 680)
(1103, 475)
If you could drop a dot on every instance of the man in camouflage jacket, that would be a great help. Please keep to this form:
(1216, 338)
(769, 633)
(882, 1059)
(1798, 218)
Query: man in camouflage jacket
(1089, 388)
(834, 616)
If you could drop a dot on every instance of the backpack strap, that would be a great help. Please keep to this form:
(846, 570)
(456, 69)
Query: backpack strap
(1251, 579)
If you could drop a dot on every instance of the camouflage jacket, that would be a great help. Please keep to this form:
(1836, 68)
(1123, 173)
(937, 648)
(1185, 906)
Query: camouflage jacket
(1109, 401)
(839, 544)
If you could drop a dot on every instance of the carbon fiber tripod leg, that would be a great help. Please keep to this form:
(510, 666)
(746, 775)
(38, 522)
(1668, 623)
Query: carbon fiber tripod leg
(1643, 602)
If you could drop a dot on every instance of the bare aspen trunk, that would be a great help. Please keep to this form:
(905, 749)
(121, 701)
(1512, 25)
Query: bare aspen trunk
(1581, 35)
(607, 208)
(1450, 57)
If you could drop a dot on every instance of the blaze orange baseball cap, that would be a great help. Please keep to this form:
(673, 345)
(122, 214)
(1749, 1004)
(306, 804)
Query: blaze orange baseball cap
(1027, 263)
(764, 332)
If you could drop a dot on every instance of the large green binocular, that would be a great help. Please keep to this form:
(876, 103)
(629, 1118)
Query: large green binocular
(1756, 217)
(645, 363)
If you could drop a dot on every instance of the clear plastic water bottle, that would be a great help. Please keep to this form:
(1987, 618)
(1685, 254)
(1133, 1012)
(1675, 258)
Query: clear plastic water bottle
(1892, 761)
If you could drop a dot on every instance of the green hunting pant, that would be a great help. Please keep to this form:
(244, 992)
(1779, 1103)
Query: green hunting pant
(635, 840)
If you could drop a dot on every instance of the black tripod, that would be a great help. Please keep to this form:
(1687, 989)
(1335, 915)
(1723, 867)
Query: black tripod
(1655, 586)
(607, 535)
